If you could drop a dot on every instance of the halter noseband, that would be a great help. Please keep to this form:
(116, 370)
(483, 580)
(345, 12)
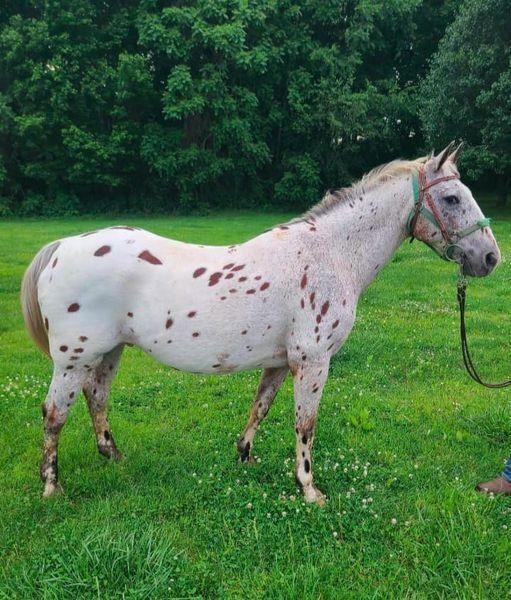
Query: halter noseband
(425, 206)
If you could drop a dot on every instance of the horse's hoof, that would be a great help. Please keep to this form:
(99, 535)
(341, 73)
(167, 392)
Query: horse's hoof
(117, 455)
(111, 453)
(313, 495)
(52, 489)
(247, 459)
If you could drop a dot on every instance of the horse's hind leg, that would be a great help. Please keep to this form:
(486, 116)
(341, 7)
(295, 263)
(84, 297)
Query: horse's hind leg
(271, 380)
(65, 386)
(96, 389)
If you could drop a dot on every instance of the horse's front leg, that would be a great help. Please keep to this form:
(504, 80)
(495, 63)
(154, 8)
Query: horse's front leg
(271, 380)
(309, 379)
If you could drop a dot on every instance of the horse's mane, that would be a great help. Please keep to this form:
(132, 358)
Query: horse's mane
(369, 181)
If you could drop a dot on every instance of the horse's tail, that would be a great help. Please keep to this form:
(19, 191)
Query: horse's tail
(29, 299)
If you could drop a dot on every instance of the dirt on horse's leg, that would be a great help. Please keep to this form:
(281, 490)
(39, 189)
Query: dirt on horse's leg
(65, 386)
(309, 380)
(96, 390)
(271, 380)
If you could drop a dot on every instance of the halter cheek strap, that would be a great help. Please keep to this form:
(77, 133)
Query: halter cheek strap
(425, 207)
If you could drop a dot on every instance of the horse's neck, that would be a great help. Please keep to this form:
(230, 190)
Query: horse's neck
(368, 229)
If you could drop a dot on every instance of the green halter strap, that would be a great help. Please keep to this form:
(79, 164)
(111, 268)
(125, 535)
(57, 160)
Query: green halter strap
(421, 197)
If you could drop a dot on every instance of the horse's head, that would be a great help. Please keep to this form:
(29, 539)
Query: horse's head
(448, 219)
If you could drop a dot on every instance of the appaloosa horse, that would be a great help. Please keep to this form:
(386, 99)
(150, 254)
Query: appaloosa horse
(284, 300)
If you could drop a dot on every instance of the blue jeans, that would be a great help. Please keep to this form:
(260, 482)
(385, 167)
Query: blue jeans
(506, 473)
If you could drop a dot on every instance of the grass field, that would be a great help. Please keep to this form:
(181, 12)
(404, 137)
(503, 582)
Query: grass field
(403, 436)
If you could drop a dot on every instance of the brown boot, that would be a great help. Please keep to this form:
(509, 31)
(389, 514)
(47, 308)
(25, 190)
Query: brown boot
(499, 485)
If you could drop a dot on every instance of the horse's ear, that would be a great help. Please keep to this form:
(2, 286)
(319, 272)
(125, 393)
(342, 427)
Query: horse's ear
(443, 156)
(454, 156)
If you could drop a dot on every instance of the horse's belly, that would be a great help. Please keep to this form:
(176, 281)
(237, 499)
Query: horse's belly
(212, 358)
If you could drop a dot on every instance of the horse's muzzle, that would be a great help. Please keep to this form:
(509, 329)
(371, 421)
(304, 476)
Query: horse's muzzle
(482, 267)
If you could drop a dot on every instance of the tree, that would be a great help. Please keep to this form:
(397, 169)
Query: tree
(150, 105)
(467, 93)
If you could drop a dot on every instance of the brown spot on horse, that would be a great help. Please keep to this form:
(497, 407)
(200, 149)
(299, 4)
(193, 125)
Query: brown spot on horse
(265, 286)
(324, 308)
(73, 307)
(150, 258)
(192, 314)
(63, 348)
(169, 323)
(303, 281)
(215, 278)
(198, 272)
(102, 251)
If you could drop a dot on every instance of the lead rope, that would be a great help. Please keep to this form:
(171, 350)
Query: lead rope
(467, 359)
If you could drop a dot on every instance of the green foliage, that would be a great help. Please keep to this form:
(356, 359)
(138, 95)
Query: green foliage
(209, 103)
(467, 93)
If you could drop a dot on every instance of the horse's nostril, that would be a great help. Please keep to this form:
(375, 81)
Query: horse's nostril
(491, 259)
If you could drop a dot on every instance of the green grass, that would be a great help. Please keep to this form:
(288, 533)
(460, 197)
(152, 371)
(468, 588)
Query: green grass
(403, 436)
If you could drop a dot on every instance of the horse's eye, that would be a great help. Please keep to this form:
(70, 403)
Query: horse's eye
(451, 200)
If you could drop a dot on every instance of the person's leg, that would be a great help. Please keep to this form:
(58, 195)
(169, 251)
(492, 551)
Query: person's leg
(499, 485)
(506, 473)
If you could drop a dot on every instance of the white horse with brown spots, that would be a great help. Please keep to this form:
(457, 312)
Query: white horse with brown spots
(285, 300)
